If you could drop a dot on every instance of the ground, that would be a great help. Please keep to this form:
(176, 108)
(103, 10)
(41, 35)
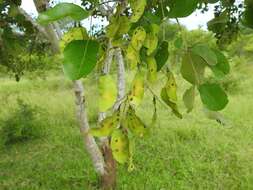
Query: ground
(192, 153)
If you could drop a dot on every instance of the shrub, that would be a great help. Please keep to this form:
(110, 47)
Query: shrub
(24, 123)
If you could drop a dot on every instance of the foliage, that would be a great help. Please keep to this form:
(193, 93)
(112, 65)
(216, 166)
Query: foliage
(63, 10)
(225, 25)
(24, 123)
(139, 30)
(21, 47)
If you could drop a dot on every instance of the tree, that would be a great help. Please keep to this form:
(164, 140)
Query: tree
(22, 47)
(137, 39)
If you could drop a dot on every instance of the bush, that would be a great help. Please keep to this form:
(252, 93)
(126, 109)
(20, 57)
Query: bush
(25, 123)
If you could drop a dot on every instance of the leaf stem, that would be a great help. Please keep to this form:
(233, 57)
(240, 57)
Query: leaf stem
(161, 2)
(156, 96)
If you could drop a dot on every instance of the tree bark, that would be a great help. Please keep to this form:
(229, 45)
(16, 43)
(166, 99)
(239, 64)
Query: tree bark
(108, 180)
(121, 78)
(89, 141)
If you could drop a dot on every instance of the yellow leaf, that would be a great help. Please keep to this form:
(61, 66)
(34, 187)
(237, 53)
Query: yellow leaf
(77, 33)
(137, 91)
(138, 38)
(118, 26)
(106, 126)
(138, 8)
(132, 56)
(150, 43)
(135, 124)
(120, 146)
(172, 105)
(171, 88)
(152, 69)
(107, 92)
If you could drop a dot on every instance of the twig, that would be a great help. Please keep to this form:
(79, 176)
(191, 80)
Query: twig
(157, 97)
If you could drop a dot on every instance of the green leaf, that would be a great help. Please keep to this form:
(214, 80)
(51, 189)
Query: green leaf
(213, 96)
(151, 17)
(181, 8)
(206, 53)
(162, 55)
(107, 92)
(189, 98)
(192, 68)
(178, 43)
(80, 58)
(63, 10)
(222, 67)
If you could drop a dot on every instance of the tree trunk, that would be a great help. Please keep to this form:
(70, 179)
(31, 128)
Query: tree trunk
(53, 35)
(108, 180)
(103, 160)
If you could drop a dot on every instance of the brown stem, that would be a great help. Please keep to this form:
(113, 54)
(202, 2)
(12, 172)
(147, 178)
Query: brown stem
(108, 180)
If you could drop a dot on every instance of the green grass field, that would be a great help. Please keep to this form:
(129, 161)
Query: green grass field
(192, 153)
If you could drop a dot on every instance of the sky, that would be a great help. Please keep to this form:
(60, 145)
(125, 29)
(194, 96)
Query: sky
(194, 21)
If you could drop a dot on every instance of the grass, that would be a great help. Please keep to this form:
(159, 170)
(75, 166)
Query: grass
(193, 153)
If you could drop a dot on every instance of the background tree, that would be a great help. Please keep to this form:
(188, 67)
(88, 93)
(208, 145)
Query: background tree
(22, 48)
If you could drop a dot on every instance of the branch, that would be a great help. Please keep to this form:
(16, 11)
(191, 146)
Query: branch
(121, 78)
(30, 19)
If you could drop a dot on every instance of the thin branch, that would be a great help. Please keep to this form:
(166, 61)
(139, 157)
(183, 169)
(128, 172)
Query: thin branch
(157, 97)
